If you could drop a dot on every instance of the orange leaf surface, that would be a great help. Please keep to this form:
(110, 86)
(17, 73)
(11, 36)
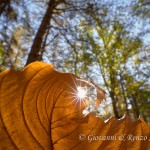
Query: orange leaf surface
(38, 110)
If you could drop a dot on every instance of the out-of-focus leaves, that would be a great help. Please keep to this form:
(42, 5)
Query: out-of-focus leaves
(38, 111)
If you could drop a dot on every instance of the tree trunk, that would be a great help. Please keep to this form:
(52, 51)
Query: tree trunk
(114, 105)
(112, 95)
(123, 93)
(36, 52)
(3, 5)
(135, 107)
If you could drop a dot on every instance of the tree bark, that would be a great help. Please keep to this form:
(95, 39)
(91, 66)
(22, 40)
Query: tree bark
(135, 107)
(36, 52)
(3, 5)
(114, 105)
(112, 95)
(123, 93)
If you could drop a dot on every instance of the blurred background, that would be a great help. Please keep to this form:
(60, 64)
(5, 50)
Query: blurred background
(104, 41)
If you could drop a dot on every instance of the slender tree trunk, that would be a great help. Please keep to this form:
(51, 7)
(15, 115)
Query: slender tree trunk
(112, 95)
(36, 52)
(135, 107)
(114, 105)
(124, 97)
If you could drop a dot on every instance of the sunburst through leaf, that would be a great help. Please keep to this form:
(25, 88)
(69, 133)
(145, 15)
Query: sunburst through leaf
(87, 94)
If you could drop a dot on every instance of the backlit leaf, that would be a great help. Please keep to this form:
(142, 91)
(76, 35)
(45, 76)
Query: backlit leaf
(39, 110)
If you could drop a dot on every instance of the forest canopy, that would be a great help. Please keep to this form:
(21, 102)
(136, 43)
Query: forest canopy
(104, 41)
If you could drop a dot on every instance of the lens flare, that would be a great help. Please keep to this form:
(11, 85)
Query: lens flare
(91, 98)
(81, 92)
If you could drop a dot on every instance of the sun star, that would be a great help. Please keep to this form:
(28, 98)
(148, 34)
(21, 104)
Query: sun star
(81, 92)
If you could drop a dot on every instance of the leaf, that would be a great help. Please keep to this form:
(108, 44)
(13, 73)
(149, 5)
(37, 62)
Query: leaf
(37, 111)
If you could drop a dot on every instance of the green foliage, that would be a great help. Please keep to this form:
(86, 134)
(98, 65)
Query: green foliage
(96, 40)
(113, 49)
